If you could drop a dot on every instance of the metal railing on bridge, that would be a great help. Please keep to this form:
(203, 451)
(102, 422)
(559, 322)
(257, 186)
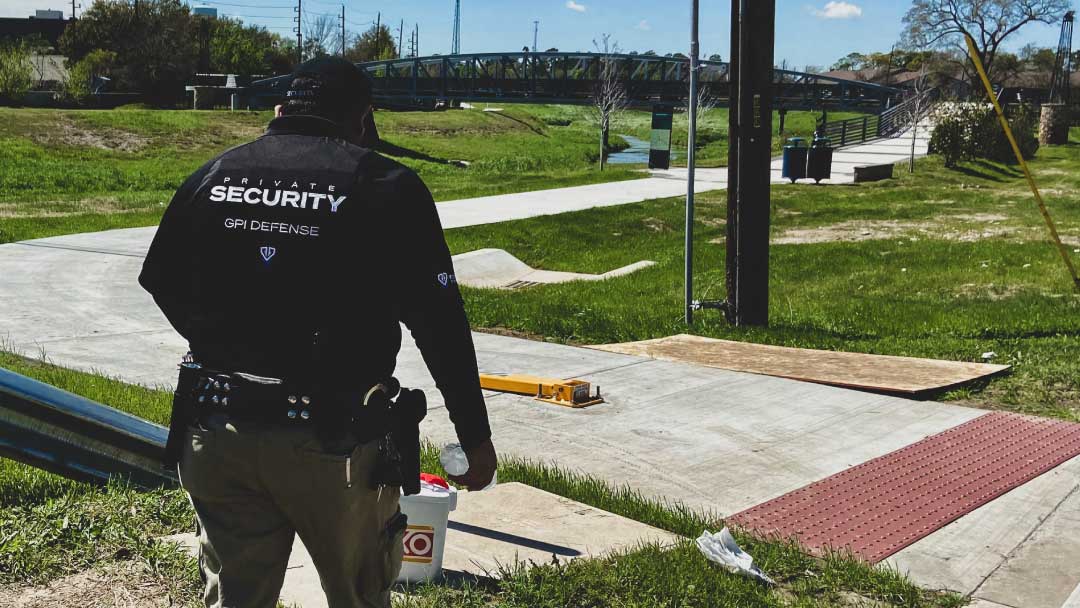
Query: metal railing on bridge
(889, 123)
(570, 78)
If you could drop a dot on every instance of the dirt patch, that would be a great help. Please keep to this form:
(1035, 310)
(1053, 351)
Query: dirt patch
(854, 231)
(656, 224)
(992, 292)
(126, 585)
(91, 206)
(66, 132)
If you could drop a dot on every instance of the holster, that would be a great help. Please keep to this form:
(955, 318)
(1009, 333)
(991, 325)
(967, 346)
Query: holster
(398, 459)
(406, 413)
(183, 413)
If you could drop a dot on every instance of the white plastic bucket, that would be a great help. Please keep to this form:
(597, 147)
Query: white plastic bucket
(425, 538)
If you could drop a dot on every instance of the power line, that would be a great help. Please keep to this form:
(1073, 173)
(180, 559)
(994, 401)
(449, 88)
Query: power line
(282, 6)
(234, 16)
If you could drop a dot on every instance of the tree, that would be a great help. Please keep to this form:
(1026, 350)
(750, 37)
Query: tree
(322, 37)
(1041, 61)
(609, 93)
(39, 49)
(916, 108)
(851, 62)
(156, 47)
(373, 45)
(236, 48)
(83, 73)
(944, 23)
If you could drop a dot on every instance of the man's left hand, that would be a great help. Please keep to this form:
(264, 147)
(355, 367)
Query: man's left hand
(482, 465)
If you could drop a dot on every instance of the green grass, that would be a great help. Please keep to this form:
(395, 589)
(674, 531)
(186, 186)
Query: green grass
(959, 265)
(69, 171)
(75, 171)
(51, 527)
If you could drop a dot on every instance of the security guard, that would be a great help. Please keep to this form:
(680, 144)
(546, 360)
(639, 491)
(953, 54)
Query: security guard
(287, 263)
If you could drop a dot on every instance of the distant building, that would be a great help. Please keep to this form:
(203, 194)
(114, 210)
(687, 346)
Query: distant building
(47, 24)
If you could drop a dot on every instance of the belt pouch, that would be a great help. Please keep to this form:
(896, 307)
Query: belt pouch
(183, 413)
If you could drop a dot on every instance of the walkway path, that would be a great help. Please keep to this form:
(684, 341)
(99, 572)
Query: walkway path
(662, 184)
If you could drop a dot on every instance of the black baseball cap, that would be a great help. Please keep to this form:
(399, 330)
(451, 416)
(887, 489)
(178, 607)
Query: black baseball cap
(331, 83)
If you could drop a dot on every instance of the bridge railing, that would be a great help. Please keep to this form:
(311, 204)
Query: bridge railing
(889, 123)
(571, 78)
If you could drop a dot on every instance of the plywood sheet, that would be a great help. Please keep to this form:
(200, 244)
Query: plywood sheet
(879, 373)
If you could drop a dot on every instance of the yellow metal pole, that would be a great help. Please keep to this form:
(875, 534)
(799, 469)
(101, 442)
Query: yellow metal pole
(1023, 164)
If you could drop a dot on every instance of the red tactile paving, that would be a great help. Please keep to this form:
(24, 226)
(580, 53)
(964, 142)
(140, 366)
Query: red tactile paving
(885, 504)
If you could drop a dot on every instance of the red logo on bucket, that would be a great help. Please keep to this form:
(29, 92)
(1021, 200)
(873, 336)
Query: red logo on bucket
(419, 544)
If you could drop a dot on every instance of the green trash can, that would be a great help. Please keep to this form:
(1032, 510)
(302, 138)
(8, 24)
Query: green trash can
(795, 153)
(819, 159)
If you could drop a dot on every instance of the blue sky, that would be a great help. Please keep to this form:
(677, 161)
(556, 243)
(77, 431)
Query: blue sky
(809, 32)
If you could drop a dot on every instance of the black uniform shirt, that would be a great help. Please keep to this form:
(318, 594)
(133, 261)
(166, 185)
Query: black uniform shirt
(300, 233)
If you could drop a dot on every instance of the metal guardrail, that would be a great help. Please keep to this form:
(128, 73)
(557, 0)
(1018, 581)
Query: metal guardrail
(54, 430)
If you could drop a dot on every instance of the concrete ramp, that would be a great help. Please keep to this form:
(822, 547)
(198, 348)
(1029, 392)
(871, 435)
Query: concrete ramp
(509, 524)
(497, 268)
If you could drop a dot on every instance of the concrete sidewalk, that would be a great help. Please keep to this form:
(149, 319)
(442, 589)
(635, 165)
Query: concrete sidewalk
(661, 184)
(714, 440)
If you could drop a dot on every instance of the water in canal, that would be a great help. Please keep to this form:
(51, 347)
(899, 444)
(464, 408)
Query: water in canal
(637, 153)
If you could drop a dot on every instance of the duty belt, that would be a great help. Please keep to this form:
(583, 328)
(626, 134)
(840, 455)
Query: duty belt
(246, 396)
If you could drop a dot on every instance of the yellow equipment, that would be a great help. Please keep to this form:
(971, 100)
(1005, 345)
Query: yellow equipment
(568, 393)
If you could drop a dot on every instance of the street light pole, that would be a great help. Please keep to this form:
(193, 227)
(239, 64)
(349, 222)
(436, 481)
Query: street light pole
(691, 161)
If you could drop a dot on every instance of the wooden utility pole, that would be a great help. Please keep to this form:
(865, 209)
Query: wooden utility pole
(400, 38)
(378, 32)
(299, 35)
(753, 30)
(342, 30)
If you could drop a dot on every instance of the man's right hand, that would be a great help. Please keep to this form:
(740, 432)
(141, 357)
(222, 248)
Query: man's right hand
(482, 465)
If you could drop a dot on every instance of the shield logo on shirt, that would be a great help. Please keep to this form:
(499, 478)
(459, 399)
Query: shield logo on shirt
(267, 252)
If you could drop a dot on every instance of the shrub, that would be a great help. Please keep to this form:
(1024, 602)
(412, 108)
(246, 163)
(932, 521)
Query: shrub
(79, 84)
(966, 131)
(16, 69)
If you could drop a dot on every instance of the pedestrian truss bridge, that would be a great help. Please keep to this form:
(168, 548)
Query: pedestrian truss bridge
(572, 78)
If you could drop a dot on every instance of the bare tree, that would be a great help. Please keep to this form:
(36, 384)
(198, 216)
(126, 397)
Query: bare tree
(609, 93)
(916, 108)
(321, 36)
(707, 102)
(944, 23)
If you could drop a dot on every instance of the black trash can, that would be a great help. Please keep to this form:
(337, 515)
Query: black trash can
(795, 153)
(819, 159)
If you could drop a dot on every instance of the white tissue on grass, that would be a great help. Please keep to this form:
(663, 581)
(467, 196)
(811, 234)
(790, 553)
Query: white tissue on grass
(721, 548)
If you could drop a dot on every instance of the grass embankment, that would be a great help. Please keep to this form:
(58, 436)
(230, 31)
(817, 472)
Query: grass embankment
(943, 264)
(51, 528)
(76, 171)
(68, 171)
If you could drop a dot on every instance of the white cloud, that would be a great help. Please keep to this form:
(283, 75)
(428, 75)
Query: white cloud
(644, 25)
(838, 10)
(574, 6)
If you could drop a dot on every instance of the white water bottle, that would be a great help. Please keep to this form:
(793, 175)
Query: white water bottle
(456, 463)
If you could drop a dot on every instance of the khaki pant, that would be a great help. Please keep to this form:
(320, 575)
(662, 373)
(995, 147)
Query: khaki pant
(253, 486)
